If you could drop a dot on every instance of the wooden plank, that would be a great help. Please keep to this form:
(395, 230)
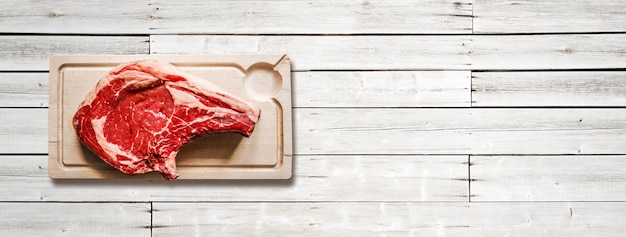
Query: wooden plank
(23, 89)
(390, 219)
(452, 52)
(75, 17)
(22, 53)
(237, 17)
(404, 89)
(23, 166)
(318, 17)
(548, 178)
(29, 52)
(315, 178)
(460, 131)
(330, 52)
(535, 16)
(311, 89)
(407, 131)
(23, 131)
(551, 51)
(382, 89)
(75, 219)
(558, 88)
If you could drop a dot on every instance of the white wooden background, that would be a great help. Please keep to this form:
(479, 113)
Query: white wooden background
(411, 118)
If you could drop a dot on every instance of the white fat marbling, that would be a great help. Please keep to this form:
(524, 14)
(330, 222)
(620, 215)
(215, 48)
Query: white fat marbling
(112, 150)
(185, 99)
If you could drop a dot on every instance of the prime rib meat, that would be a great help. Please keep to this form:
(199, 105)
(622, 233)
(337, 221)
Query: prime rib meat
(141, 113)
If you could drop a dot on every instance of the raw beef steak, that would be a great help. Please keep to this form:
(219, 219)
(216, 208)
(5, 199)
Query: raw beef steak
(140, 114)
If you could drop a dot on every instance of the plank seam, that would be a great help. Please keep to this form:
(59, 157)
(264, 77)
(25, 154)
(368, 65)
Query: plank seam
(471, 89)
(473, 32)
(461, 107)
(459, 154)
(149, 44)
(394, 34)
(366, 202)
(559, 201)
(383, 70)
(23, 154)
(552, 70)
(76, 202)
(469, 178)
(151, 218)
(473, 16)
(298, 202)
(399, 154)
(417, 107)
(70, 34)
(618, 69)
(483, 69)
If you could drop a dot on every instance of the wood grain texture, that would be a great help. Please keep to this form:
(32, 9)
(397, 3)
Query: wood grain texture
(407, 131)
(75, 17)
(330, 52)
(75, 219)
(389, 219)
(476, 52)
(23, 89)
(23, 131)
(557, 88)
(537, 16)
(237, 17)
(32, 53)
(311, 89)
(540, 52)
(382, 89)
(460, 131)
(315, 178)
(548, 178)
(317, 17)
(377, 151)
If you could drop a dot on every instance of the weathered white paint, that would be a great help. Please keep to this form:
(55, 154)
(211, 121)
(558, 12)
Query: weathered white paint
(237, 17)
(23, 90)
(75, 17)
(330, 52)
(350, 195)
(32, 52)
(558, 51)
(549, 88)
(75, 219)
(23, 131)
(315, 178)
(382, 89)
(548, 178)
(310, 89)
(460, 131)
(535, 16)
(479, 52)
(390, 219)
(407, 131)
(345, 52)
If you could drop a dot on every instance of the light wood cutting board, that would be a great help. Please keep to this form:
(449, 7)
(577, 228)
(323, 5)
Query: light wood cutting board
(266, 154)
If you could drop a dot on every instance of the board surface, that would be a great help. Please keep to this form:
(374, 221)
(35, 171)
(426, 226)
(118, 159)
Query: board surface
(265, 79)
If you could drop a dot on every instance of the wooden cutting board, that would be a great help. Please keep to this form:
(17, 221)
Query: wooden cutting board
(266, 154)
